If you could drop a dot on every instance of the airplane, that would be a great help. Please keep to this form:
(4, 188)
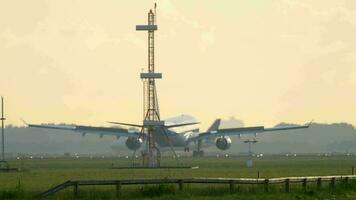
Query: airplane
(166, 133)
(172, 133)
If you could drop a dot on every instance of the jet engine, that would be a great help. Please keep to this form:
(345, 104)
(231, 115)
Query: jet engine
(133, 143)
(223, 143)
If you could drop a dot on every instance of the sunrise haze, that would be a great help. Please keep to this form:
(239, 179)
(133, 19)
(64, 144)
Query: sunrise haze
(261, 61)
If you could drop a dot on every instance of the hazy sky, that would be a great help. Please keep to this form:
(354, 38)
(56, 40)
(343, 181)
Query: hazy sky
(262, 61)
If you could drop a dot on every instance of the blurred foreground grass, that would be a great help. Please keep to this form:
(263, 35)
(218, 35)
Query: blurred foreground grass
(45, 173)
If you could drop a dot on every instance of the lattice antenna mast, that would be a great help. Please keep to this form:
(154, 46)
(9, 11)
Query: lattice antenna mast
(151, 119)
(152, 113)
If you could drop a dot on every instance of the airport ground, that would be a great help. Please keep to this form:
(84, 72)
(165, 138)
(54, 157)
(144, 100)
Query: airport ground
(41, 174)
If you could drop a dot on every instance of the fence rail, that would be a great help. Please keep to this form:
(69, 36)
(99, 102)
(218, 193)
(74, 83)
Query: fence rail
(232, 182)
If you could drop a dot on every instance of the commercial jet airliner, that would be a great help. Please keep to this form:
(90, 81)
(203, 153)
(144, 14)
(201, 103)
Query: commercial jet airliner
(166, 133)
(172, 134)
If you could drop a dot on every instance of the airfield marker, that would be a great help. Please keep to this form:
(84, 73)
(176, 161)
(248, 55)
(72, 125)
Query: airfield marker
(249, 162)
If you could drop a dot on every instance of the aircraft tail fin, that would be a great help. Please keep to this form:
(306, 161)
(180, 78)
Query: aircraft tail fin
(215, 126)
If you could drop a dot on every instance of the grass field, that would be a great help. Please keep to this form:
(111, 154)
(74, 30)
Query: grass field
(45, 173)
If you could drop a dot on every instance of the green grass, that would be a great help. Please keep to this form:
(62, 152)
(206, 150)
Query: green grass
(43, 174)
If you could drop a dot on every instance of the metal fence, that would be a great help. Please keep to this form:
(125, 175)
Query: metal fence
(231, 182)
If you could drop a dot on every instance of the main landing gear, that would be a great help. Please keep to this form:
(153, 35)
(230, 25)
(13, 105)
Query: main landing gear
(198, 152)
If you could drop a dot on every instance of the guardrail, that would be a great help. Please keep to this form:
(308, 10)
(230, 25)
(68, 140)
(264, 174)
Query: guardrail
(232, 182)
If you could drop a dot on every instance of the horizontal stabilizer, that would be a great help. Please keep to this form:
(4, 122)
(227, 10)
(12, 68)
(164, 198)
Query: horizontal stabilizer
(170, 126)
(185, 124)
(126, 124)
(191, 130)
(24, 121)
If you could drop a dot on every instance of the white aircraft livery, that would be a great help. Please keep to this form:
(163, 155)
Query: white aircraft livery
(172, 134)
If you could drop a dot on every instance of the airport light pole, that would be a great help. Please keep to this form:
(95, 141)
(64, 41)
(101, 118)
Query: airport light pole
(2, 130)
(249, 162)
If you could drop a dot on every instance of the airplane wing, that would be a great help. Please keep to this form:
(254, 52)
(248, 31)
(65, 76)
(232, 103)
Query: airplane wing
(243, 131)
(118, 132)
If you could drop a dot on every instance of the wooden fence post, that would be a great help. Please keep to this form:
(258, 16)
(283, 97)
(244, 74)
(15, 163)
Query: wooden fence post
(232, 186)
(180, 182)
(287, 184)
(258, 174)
(118, 189)
(318, 183)
(304, 184)
(332, 184)
(75, 189)
(346, 180)
(266, 184)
